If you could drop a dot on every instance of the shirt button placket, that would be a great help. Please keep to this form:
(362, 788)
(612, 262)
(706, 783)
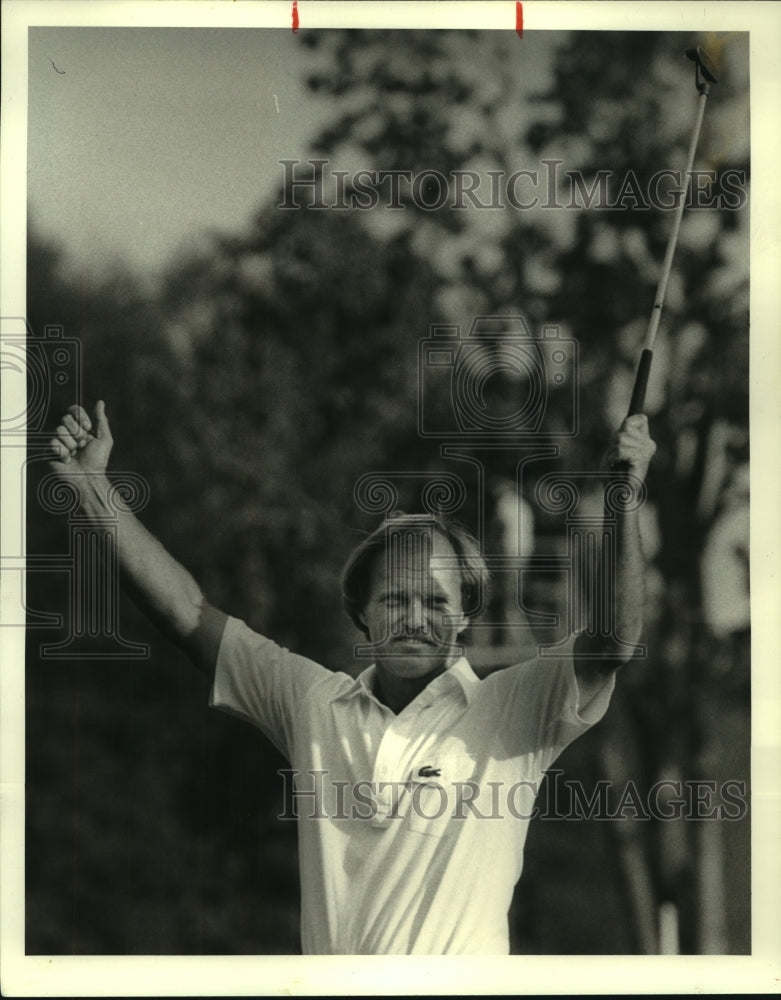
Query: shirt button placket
(384, 771)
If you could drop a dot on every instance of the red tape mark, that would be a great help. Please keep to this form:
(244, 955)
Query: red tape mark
(295, 16)
(519, 18)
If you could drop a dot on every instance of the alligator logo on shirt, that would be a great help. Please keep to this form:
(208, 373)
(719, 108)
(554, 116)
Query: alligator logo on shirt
(429, 772)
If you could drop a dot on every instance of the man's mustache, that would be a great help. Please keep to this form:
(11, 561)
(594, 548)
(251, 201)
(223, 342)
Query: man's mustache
(423, 636)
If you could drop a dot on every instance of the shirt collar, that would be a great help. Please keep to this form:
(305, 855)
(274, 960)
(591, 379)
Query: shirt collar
(459, 674)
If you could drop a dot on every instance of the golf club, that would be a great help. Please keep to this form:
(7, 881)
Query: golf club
(705, 74)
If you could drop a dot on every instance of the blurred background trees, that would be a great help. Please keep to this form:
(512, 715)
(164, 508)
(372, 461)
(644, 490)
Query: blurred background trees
(271, 368)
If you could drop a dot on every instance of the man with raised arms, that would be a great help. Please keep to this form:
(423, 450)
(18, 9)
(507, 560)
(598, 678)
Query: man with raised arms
(415, 781)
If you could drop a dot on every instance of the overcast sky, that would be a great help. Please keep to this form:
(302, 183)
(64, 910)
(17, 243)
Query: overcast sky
(140, 138)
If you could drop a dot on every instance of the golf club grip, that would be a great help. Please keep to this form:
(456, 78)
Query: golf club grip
(641, 381)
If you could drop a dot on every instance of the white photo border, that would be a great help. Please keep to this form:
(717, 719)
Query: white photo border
(23, 975)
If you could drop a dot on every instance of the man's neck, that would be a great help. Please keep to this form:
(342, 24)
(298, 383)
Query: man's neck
(397, 692)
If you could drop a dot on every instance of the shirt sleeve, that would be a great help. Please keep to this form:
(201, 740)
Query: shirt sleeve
(541, 708)
(263, 683)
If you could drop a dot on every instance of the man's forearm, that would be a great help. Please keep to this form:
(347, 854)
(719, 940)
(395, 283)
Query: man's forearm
(164, 590)
(616, 599)
(628, 595)
(161, 586)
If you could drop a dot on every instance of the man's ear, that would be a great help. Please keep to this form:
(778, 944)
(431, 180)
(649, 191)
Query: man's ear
(460, 621)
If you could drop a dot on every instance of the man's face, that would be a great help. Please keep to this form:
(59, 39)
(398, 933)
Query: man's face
(414, 607)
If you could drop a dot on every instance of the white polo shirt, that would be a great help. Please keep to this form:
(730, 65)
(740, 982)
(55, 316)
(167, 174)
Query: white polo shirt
(412, 826)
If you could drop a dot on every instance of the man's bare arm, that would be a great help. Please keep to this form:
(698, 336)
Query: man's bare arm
(623, 585)
(163, 588)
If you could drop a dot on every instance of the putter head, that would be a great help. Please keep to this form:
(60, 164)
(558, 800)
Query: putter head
(705, 66)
